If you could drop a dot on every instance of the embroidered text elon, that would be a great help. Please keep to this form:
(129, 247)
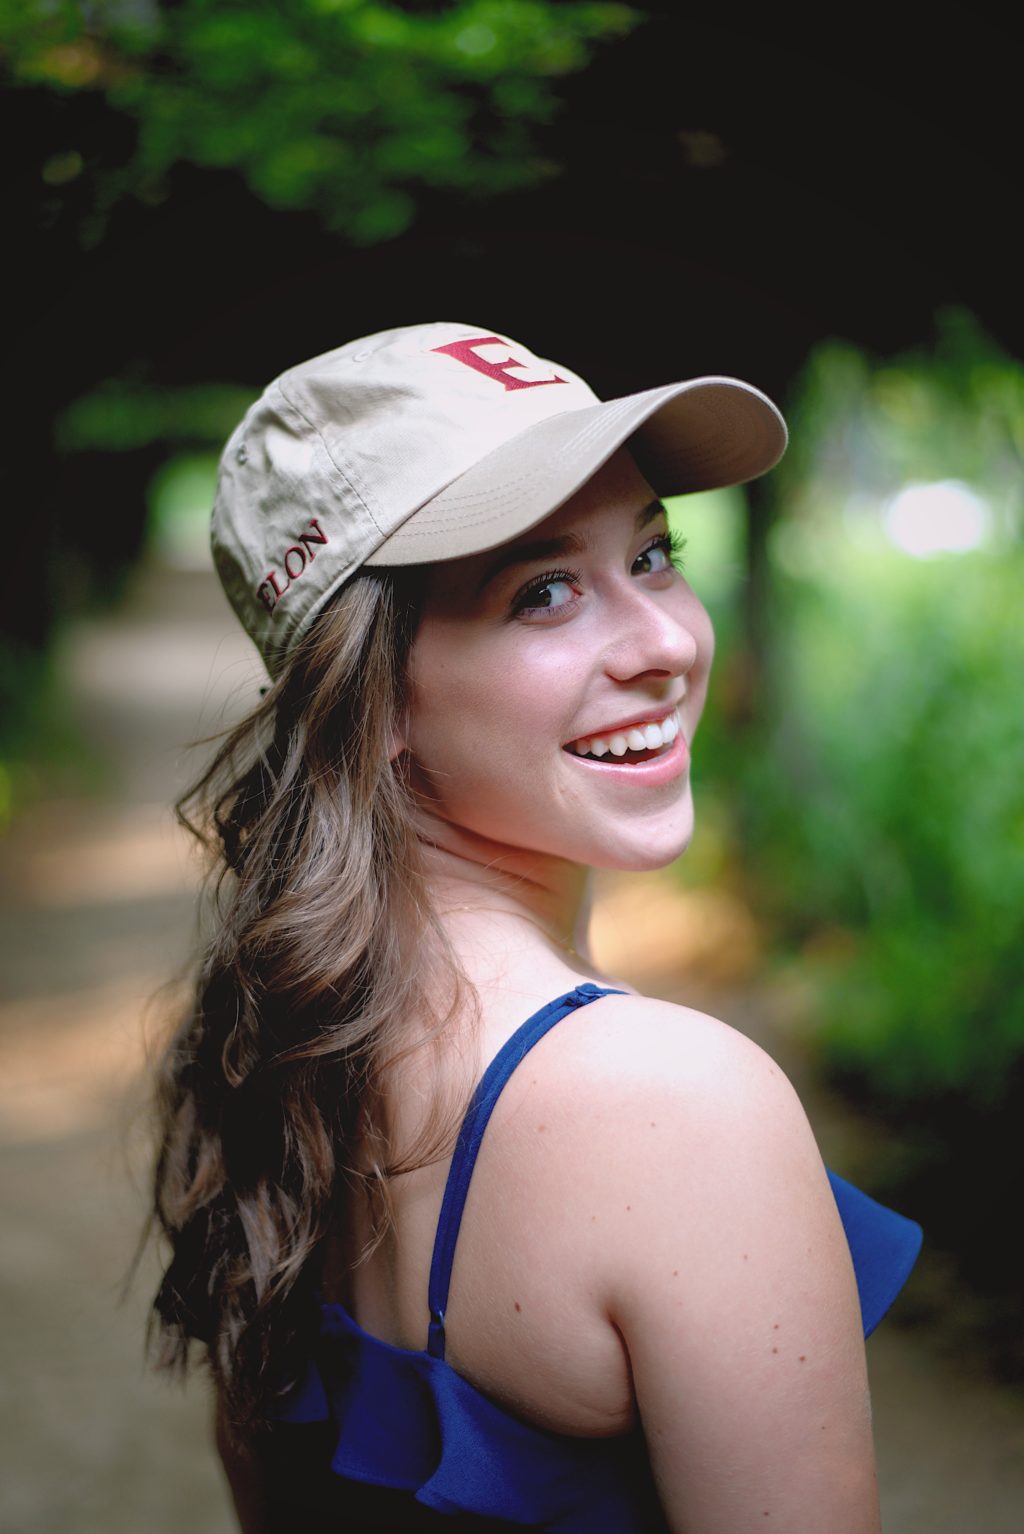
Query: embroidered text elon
(294, 561)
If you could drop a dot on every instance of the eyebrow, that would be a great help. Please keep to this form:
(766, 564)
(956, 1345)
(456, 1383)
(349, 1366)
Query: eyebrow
(513, 554)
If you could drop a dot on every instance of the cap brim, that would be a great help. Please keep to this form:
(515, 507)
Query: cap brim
(697, 435)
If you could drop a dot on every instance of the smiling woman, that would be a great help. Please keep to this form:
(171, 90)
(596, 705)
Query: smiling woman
(565, 679)
(441, 1286)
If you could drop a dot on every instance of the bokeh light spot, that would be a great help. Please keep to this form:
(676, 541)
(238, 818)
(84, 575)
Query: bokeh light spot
(946, 517)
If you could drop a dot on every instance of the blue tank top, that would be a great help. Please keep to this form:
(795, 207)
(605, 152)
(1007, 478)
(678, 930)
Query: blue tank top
(379, 1438)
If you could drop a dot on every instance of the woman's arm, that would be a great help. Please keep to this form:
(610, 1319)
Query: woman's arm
(732, 1285)
(245, 1477)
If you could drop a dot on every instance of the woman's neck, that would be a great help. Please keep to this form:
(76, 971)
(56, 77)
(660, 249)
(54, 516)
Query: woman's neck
(476, 883)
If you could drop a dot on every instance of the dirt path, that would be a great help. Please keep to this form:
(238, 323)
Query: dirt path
(96, 912)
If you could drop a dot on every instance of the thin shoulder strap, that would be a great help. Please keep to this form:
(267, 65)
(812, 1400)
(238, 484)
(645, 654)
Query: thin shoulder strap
(468, 1144)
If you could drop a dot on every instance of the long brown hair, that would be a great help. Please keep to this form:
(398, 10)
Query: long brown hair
(269, 1092)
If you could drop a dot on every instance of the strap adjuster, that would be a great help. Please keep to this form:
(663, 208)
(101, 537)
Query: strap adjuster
(435, 1334)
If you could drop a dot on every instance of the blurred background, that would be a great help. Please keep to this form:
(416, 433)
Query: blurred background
(203, 192)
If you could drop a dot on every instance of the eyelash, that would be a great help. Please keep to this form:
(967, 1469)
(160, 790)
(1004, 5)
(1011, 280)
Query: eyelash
(671, 542)
(674, 544)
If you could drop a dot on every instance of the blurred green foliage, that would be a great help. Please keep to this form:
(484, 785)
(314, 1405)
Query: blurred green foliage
(120, 417)
(886, 803)
(41, 748)
(343, 107)
(180, 496)
(888, 809)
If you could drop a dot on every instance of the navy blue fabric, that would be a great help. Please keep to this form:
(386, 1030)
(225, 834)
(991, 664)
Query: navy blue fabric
(883, 1244)
(406, 1421)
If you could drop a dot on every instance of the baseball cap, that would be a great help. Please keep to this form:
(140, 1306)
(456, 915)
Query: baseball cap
(434, 441)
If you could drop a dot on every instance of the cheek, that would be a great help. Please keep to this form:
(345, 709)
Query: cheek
(484, 720)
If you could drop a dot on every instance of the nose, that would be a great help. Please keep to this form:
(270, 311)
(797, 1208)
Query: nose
(653, 635)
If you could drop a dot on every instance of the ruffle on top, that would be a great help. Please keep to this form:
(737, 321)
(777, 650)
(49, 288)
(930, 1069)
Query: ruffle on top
(883, 1244)
(409, 1422)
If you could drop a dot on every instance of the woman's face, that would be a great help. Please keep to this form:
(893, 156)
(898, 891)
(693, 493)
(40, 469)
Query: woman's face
(538, 671)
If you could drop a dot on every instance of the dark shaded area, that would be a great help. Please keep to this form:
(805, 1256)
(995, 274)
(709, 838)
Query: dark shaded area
(964, 1203)
(729, 195)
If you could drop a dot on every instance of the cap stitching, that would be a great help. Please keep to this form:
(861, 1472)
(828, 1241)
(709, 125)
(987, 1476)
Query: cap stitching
(498, 500)
(580, 438)
(341, 472)
(694, 453)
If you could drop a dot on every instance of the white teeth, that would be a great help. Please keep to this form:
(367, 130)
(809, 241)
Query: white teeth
(642, 737)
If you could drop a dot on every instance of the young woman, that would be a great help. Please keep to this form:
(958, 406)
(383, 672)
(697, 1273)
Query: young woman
(475, 1237)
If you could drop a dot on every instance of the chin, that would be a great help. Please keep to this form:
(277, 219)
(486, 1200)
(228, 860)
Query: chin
(641, 862)
(638, 855)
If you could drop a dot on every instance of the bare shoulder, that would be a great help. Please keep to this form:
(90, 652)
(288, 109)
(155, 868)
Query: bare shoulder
(674, 1109)
(629, 1052)
(661, 1109)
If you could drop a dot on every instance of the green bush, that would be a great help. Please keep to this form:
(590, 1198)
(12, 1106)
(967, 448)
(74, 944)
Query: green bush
(889, 807)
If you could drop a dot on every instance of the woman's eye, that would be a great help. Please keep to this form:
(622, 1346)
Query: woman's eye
(547, 594)
(665, 553)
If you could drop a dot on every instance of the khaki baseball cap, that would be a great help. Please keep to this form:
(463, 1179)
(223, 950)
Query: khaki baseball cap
(434, 441)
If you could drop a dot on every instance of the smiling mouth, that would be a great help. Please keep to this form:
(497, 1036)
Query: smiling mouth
(640, 743)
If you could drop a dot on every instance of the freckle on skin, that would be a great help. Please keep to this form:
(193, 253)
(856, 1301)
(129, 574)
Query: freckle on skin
(775, 1326)
(675, 1272)
(653, 1124)
(628, 1208)
(775, 1350)
(517, 1304)
(803, 1358)
(540, 1128)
